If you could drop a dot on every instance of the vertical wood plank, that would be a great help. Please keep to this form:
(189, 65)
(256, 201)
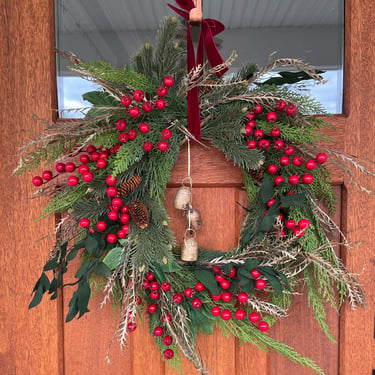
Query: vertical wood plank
(29, 341)
(357, 355)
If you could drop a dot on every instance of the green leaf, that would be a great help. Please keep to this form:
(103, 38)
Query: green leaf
(92, 245)
(50, 265)
(266, 190)
(159, 273)
(114, 258)
(83, 298)
(250, 264)
(171, 266)
(74, 250)
(247, 285)
(73, 308)
(208, 280)
(267, 222)
(41, 286)
(275, 282)
(298, 200)
(85, 270)
(102, 269)
(100, 98)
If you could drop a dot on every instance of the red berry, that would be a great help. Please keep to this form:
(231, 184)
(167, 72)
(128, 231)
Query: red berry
(247, 131)
(216, 311)
(116, 201)
(131, 327)
(264, 144)
(254, 317)
(60, 167)
(168, 354)
(240, 314)
(321, 158)
(83, 169)
(124, 218)
(258, 134)
(216, 298)
(162, 91)
(37, 181)
(144, 128)
(260, 284)
(167, 340)
(152, 308)
(150, 276)
(278, 180)
(104, 155)
(163, 146)
(298, 232)
(138, 95)
(160, 104)
(280, 105)
(177, 298)
(73, 181)
(297, 161)
(125, 209)
(113, 215)
(90, 149)
(120, 125)
(199, 287)
(290, 224)
(251, 124)
(242, 297)
(87, 176)
(168, 81)
(258, 109)
(233, 272)
(126, 100)
(47, 175)
(123, 137)
(132, 134)
(158, 331)
(275, 132)
(147, 146)
(101, 225)
(111, 238)
(303, 223)
(255, 273)
(145, 284)
(121, 233)
(226, 296)
(225, 284)
(126, 228)
(288, 150)
(310, 164)
(307, 179)
(101, 164)
(111, 180)
(95, 156)
(84, 223)
(197, 303)
(134, 112)
(70, 167)
(165, 286)
(147, 106)
(278, 145)
(250, 114)
(281, 233)
(271, 202)
(189, 292)
(84, 159)
(154, 295)
(293, 180)
(251, 145)
(166, 317)
(263, 326)
(219, 278)
(226, 315)
(291, 109)
(284, 161)
(272, 168)
(281, 216)
(166, 134)
(271, 117)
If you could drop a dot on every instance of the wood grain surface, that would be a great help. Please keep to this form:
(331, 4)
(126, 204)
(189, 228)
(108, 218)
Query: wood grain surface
(37, 342)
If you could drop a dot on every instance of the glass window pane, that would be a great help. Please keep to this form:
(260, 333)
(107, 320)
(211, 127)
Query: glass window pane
(112, 30)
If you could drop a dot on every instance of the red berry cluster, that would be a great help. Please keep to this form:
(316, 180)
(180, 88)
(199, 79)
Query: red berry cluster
(117, 212)
(241, 298)
(152, 286)
(135, 109)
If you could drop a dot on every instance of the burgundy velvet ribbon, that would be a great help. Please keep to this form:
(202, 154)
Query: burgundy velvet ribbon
(209, 29)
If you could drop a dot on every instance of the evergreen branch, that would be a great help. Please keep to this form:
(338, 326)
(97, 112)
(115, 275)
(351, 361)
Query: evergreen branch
(267, 307)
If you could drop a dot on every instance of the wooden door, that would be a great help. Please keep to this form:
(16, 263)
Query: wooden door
(38, 342)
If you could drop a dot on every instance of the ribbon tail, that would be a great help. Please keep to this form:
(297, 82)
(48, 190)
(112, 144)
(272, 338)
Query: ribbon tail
(194, 116)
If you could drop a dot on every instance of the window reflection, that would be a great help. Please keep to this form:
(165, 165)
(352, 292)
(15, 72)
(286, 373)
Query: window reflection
(112, 30)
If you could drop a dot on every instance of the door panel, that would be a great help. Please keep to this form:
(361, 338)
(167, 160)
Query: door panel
(38, 342)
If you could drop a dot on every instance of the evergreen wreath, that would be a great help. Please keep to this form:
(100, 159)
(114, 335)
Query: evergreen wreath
(113, 201)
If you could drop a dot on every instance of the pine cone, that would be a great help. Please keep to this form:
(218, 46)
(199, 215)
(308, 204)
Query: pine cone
(139, 214)
(257, 174)
(127, 187)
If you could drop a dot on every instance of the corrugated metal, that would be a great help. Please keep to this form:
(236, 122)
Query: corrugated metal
(123, 15)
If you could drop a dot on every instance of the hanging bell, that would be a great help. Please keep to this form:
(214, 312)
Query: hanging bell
(194, 216)
(183, 198)
(189, 249)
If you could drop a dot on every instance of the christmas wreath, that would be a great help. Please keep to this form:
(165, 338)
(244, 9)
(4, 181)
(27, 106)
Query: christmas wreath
(114, 165)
